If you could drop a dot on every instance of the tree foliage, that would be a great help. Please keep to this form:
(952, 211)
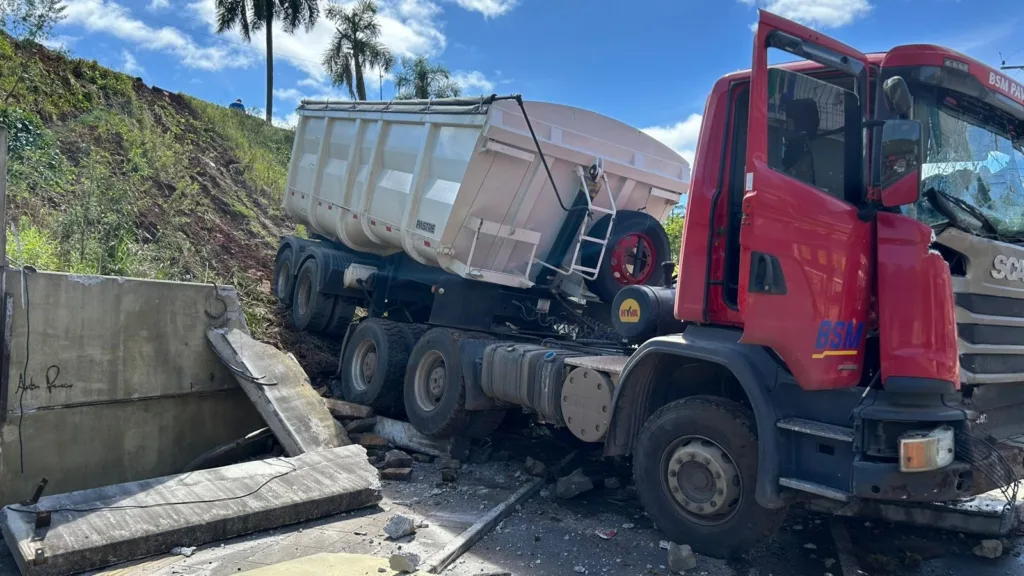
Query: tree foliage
(31, 19)
(420, 79)
(355, 47)
(248, 16)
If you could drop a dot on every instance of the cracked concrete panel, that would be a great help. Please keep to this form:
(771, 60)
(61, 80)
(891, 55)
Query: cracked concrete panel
(119, 382)
(95, 528)
(281, 392)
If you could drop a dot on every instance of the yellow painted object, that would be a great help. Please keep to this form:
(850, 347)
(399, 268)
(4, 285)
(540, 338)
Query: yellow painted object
(329, 564)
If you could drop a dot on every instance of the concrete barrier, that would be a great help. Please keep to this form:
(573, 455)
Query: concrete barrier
(107, 380)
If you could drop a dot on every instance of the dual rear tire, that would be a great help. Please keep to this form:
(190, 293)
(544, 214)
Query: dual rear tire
(310, 308)
(398, 368)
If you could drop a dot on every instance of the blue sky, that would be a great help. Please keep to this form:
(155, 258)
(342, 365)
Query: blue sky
(649, 63)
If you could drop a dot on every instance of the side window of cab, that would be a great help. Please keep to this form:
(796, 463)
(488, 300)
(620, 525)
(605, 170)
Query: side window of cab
(807, 127)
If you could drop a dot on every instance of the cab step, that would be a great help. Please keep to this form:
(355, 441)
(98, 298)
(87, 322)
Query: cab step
(816, 489)
(819, 429)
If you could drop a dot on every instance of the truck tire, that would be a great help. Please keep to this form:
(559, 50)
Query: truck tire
(483, 423)
(434, 391)
(374, 364)
(694, 458)
(311, 308)
(636, 249)
(284, 276)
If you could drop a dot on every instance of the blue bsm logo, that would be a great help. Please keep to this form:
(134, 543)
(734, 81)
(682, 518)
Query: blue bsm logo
(839, 338)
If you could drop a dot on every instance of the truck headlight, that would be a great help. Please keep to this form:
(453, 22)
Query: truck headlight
(926, 450)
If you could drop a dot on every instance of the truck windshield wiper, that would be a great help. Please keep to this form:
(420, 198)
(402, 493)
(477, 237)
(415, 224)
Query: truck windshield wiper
(975, 213)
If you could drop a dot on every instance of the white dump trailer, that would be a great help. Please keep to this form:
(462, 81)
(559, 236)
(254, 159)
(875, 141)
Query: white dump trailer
(461, 185)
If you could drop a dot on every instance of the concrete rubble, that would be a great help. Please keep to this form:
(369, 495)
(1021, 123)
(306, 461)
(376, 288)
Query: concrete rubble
(681, 558)
(573, 485)
(93, 528)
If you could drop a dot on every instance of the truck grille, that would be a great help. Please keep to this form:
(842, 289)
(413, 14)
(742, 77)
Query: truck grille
(989, 311)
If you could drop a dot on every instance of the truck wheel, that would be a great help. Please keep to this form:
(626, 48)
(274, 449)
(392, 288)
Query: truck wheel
(374, 364)
(435, 395)
(311, 308)
(341, 317)
(636, 249)
(284, 276)
(695, 465)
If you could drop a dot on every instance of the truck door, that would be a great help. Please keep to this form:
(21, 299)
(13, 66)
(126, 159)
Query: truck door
(805, 256)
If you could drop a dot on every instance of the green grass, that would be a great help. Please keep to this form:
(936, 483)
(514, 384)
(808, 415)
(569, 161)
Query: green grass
(109, 176)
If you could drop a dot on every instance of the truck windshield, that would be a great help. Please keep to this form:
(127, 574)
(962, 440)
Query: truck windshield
(971, 177)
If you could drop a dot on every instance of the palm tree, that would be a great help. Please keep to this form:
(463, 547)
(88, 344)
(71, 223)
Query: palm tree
(252, 15)
(355, 47)
(418, 78)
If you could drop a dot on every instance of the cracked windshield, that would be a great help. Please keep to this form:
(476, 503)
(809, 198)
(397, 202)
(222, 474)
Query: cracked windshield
(971, 176)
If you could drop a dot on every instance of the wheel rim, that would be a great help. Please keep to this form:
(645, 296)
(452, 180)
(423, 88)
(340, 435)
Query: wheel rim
(633, 259)
(364, 365)
(303, 294)
(431, 381)
(703, 480)
(283, 276)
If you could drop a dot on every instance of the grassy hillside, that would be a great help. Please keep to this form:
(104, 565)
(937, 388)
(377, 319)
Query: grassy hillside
(110, 176)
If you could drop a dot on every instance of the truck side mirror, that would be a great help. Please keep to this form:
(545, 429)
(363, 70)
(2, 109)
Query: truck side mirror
(897, 96)
(901, 158)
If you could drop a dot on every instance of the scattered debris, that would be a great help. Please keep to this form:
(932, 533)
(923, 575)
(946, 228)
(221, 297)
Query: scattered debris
(400, 526)
(534, 467)
(369, 440)
(681, 558)
(404, 563)
(810, 546)
(573, 485)
(185, 551)
(612, 483)
(397, 459)
(606, 534)
(449, 463)
(449, 475)
(401, 474)
(829, 562)
(579, 570)
(629, 525)
(664, 545)
(361, 425)
(480, 454)
(403, 435)
(423, 458)
(989, 549)
(342, 409)
(320, 390)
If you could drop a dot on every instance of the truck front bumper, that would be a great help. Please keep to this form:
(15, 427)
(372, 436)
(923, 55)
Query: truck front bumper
(979, 467)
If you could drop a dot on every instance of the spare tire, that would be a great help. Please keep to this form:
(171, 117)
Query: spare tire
(636, 251)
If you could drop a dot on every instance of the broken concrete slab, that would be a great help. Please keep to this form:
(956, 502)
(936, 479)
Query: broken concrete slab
(280, 390)
(397, 459)
(93, 528)
(329, 564)
(403, 435)
(342, 409)
(400, 474)
(573, 485)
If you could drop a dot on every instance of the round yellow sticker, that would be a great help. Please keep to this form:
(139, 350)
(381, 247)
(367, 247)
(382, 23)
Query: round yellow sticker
(629, 311)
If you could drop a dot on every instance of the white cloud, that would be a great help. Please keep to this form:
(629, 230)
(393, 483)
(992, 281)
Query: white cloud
(681, 136)
(159, 4)
(112, 18)
(309, 83)
(489, 8)
(129, 65)
(473, 83)
(816, 14)
(290, 94)
(289, 121)
(60, 42)
(408, 28)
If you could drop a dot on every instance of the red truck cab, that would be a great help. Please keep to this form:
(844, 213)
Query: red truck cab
(849, 291)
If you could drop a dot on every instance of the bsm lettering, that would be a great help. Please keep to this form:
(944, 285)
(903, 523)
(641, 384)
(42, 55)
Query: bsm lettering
(839, 335)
